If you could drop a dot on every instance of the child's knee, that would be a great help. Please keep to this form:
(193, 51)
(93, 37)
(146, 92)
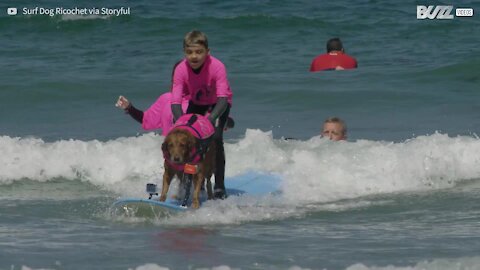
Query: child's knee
(218, 140)
(218, 136)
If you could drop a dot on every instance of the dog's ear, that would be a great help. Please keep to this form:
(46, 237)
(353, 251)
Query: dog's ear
(165, 145)
(191, 141)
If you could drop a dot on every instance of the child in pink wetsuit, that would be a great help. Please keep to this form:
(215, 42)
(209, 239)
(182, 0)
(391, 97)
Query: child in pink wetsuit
(203, 78)
(159, 115)
(204, 87)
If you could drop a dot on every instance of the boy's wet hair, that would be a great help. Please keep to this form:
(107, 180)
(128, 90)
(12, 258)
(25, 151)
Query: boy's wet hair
(334, 44)
(339, 121)
(195, 37)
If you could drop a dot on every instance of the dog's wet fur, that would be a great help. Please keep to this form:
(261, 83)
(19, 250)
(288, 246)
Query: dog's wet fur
(179, 144)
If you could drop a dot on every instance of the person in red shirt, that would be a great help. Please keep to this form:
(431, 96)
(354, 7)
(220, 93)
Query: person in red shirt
(334, 59)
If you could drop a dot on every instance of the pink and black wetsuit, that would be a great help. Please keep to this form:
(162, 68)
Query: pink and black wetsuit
(204, 87)
(159, 115)
(209, 91)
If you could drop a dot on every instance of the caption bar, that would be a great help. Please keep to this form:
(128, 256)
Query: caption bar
(12, 11)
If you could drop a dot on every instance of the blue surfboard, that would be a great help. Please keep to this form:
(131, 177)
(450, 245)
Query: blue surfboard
(251, 183)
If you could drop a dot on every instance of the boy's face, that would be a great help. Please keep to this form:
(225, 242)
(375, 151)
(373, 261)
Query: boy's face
(333, 131)
(196, 55)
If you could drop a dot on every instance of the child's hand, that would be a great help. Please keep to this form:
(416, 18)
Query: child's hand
(122, 103)
(213, 121)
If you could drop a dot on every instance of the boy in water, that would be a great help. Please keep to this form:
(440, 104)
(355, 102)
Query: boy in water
(335, 129)
(203, 78)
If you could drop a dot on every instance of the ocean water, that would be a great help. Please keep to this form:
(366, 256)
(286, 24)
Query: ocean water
(401, 193)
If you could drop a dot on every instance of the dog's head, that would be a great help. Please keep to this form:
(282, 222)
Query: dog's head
(178, 146)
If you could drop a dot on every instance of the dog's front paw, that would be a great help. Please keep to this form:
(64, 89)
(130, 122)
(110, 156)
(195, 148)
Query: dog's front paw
(163, 198)
(195, 204)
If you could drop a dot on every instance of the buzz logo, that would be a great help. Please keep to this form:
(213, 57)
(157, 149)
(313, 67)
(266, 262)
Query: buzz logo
(434, 12)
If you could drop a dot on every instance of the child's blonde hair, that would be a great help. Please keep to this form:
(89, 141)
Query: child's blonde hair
(339, 121)
(195, 37)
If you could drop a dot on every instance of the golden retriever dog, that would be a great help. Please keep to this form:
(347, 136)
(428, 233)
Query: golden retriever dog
(178, 147)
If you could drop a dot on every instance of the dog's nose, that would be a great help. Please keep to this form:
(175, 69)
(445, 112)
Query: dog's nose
(176, 159)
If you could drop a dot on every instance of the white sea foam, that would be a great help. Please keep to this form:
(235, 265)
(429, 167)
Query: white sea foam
(236, 210)
(314, 172)
(469, 263)
(100, 163)
(152, 266)
(321, 170)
